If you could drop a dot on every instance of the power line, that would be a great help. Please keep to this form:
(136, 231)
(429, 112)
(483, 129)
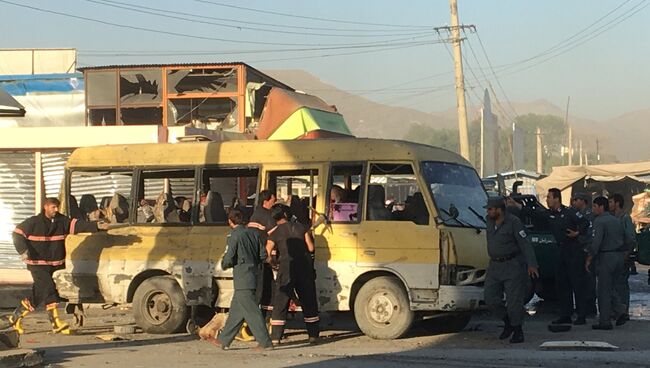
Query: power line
(283, 25)
(255, 51)
(178, 34)
(165, 13)
(564, 47)
(267, 12)
(487, 58)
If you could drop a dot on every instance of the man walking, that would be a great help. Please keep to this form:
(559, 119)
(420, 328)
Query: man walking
(607, 249)
(566, 225)
(245, 254)
(512, 261)
(263, 222)
(40, 241)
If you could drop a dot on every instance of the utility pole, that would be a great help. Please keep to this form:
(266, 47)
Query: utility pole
(460, 82)
(566, 124)
(540, 164)
(580, 149)
(597, 151)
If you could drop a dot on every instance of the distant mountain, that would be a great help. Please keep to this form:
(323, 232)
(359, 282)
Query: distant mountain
(626, 136)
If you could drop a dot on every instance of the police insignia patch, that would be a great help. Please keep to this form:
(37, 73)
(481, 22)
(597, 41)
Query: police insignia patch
(578, 215)
(522, 233)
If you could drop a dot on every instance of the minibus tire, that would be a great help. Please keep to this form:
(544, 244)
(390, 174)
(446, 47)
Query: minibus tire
(159, 306)
(382, 309)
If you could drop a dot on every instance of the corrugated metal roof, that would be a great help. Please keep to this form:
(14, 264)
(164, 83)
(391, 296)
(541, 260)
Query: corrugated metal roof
(135, 66)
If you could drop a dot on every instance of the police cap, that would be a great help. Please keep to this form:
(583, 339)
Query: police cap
(494, 202)
(581, 195)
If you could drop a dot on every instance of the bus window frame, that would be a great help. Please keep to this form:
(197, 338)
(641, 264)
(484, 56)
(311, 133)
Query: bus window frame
(111, 169)
(198, 183)
(136, 188)
(362, 192)
(419, 179)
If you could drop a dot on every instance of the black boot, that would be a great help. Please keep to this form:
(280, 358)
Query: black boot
(518, 336)
(507, 329)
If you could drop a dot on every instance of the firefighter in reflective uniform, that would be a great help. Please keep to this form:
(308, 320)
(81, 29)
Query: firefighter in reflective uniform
(294, 248)
(40, 241)
(512, 261)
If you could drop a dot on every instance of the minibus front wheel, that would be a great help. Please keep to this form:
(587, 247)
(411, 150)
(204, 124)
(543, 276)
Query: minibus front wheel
(382, 308)
(159, 306)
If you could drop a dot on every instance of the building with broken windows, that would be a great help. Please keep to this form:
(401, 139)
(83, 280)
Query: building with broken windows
(48, 108)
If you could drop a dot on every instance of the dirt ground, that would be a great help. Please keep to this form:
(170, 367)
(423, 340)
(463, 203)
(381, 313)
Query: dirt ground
(344, 346)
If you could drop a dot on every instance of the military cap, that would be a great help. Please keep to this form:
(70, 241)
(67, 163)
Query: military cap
(581, 195)
(496, 201)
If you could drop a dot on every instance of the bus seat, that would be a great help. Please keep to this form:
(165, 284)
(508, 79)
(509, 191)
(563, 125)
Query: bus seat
(377, 211)
(75, 211)
(105, 202)
(88, 203)
(119, 207)
(165, 209)
(214, 211)
(418, 210)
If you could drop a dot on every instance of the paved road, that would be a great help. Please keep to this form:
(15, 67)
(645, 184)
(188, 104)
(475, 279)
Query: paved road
(344, 346)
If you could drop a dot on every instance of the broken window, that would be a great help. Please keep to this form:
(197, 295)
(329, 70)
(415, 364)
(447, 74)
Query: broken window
(226, 188)
(297, 189)
(205, 113)
(96, 195)
(165, 196)
(202, 80)
(394, 195)
(344, 192)
(101, 117)
(140, 87)
(101, 88)
(141, 115)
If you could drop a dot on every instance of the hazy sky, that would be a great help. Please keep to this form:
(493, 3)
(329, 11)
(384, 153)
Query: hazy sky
(605, 76)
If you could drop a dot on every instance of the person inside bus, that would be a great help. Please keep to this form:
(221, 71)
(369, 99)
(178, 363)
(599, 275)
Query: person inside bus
(377, 211)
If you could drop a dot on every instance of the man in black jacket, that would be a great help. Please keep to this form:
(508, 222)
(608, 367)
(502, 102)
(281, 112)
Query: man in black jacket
(245, 254)
(40, 241)
(568, 226)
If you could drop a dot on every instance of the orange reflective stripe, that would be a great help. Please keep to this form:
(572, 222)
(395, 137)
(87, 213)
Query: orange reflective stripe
(72, 225)
(40, 262)
(311, 319)
(20, 232)
(46, 238)
(256, 226)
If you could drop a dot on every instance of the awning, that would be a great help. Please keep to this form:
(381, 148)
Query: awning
(9, 106)
(293, 115)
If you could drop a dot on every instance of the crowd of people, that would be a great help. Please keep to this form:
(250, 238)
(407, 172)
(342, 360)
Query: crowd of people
(594, 240)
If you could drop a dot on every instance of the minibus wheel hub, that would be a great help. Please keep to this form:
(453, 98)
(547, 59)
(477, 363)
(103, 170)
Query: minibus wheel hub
(382, 308)
(159, 307)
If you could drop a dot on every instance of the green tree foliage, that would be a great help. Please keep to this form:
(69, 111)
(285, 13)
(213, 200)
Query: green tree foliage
(553, 138)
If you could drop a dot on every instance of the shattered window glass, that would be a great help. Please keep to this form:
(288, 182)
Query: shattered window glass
(101, 117)
(141, 116)
(141, 87)
(202, 80)
(204, 113)
(101, 88)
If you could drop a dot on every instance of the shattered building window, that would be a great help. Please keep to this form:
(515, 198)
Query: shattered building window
(101, 117)
(102, 98)
(204, 113)
(201, 81)
(140, 87)
(141, 115)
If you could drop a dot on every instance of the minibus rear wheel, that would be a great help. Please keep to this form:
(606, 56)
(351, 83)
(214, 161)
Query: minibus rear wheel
(159, 306)
(382, 310)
